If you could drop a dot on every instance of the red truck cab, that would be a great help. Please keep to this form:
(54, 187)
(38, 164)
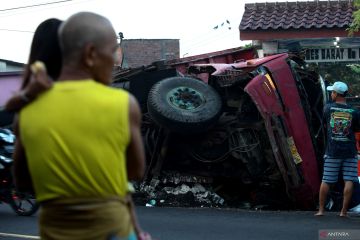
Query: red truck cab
(290, 100)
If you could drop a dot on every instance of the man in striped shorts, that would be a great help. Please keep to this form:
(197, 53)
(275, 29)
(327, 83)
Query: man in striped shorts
(341, 153)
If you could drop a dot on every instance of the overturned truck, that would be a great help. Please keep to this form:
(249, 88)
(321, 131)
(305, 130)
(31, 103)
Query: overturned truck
(254, 125)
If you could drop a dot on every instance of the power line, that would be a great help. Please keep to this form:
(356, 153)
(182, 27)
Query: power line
(34, 5)
(19, 12)
(214, 32)
(200, 39)
(215, 40)
(212, 39)
(13, 30)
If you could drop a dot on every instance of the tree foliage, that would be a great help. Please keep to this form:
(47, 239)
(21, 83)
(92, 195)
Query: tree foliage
(348, 73)
(355, 25)
(355, 68)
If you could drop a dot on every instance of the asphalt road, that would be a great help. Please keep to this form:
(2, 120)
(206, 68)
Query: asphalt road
(209, 224)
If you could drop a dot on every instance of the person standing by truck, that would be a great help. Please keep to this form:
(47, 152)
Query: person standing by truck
(340, 154)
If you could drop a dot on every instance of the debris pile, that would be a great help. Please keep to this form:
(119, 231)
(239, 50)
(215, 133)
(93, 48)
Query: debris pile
(179, 191)
(176, 190)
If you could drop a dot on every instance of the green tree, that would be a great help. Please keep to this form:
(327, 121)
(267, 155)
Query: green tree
(352, 75)
(348, 73)
(355, 25)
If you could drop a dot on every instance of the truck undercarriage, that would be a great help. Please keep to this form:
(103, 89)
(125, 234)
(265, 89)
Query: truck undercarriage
(210, 126)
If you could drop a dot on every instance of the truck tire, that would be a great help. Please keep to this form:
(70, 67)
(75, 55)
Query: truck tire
(184, 105)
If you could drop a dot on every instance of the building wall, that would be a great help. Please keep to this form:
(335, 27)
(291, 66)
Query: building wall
(9, 84)
(8, 67)
(142, 52)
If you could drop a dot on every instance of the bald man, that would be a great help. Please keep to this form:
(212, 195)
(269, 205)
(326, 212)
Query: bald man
(80, 141)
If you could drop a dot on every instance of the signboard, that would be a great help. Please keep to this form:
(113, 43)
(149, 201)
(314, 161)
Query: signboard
(332, 55)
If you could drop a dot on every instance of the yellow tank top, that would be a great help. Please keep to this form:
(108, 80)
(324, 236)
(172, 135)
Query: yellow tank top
(75, 138)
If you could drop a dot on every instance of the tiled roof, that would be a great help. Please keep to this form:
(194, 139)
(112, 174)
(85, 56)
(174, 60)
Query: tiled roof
(297, 15)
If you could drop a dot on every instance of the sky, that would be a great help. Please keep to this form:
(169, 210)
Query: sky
(193, 22)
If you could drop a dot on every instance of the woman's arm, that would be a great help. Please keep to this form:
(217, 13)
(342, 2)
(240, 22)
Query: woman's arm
(17, 101)
(39, 83)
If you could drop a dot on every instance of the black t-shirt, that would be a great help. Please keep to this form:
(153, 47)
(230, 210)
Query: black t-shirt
(341, 120)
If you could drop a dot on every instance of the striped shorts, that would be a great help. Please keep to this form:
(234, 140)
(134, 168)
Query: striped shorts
(332, 167)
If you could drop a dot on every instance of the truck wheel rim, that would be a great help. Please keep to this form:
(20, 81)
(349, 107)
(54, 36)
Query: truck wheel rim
(185, 98)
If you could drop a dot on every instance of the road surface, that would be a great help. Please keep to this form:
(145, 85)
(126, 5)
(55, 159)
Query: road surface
(207, 224)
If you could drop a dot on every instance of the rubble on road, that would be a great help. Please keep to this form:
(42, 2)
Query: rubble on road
(176, 190)
(179, 191)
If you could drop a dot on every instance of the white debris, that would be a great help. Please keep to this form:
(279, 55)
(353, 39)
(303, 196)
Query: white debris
(355, 209)
(198, 188)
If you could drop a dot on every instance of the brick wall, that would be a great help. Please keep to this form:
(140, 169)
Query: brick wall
(141, 52)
